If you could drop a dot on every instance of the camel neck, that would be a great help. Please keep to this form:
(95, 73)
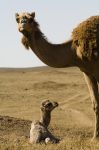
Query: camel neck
(45, 118)
(54, 55)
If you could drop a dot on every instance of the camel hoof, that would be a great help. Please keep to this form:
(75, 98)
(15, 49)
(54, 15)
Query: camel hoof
(47, 140)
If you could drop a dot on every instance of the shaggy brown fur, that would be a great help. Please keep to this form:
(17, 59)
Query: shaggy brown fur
(86, 36)
(25, 42)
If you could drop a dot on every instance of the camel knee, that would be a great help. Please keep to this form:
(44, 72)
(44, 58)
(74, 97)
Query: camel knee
(96, 108)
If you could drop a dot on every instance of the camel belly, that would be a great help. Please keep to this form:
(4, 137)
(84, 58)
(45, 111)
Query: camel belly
(96, 75)
(91, 69)
(95, 71)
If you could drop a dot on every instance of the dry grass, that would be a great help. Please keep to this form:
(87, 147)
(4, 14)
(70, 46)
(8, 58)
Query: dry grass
(21, 92)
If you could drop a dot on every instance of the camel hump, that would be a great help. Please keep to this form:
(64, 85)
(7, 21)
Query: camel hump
(86, 38)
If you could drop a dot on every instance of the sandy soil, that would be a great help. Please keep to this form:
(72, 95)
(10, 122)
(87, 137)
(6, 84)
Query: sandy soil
(21, 92)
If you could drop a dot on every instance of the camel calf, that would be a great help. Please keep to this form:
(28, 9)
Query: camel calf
(39, 129)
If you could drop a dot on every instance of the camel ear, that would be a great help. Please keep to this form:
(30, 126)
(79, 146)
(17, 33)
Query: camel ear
(43, 103)
(16, 15)
(33, 14)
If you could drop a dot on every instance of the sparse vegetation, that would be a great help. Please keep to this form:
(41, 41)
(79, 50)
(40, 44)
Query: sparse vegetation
(21, 95)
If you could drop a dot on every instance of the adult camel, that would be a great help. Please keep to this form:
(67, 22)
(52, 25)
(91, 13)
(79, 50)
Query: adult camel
(81, 51)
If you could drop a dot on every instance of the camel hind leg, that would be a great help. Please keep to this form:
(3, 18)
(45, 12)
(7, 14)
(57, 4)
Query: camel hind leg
(52, 138)
(93, 89)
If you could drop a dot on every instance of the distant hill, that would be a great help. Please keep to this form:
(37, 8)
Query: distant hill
(4, 69)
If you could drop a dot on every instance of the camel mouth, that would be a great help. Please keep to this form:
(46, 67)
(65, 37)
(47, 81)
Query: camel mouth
(21, 29)
(55, 103)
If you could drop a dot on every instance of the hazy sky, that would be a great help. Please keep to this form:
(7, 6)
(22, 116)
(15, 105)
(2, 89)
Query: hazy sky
(57, 18)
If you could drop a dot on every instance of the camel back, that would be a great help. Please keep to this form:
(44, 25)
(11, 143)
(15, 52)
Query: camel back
(86, 35)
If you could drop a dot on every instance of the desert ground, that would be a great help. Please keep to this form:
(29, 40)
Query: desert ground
(21, 93)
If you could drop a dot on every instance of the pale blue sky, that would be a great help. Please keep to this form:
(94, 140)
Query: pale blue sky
(57, 18)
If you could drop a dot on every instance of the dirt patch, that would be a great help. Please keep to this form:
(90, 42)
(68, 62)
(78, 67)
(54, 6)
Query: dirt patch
(16, 128)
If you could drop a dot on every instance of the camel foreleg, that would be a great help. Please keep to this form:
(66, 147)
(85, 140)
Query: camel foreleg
(93, 89)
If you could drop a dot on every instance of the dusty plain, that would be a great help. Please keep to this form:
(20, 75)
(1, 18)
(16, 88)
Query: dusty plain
(21, 93)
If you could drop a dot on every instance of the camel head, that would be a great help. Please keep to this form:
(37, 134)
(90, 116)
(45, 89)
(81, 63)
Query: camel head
(27, 26)
(26, 22)
(48, 106)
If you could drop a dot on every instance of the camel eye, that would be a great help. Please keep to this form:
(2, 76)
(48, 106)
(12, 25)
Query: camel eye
(49, 105)
(17, 20)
